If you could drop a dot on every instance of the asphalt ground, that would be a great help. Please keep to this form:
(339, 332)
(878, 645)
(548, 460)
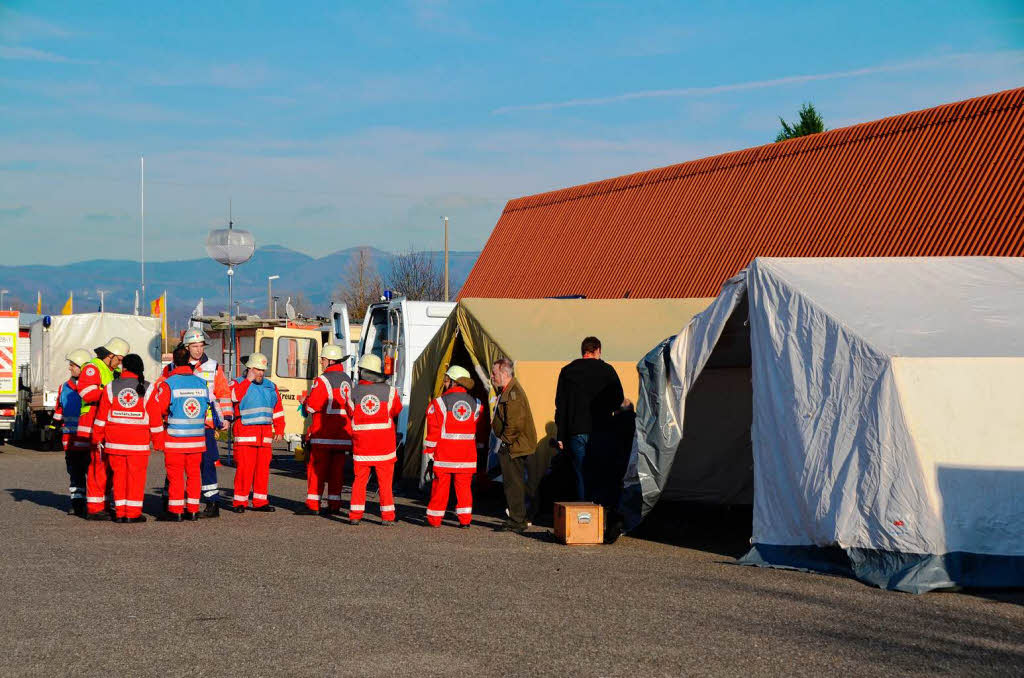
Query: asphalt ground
(283, 595)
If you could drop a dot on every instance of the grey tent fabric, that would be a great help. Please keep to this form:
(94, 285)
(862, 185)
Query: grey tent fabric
(887, 435)
(659, 414)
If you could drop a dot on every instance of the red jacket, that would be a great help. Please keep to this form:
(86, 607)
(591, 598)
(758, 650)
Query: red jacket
(256, 435)
(372, 408)
(327, 402)
(162, 400)
(90, 389)
(123, 418)
(451, 430)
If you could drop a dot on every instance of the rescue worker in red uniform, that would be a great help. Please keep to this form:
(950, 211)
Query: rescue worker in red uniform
(373, 405)
(329, 438)
(65, 415)
(216, 417)
(259, 422)
(180, 401)
(122, 429)
(450, 446)
(96, 374)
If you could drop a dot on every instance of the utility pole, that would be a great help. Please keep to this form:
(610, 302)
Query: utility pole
(142, 220)
(270, 296)
(446, 295)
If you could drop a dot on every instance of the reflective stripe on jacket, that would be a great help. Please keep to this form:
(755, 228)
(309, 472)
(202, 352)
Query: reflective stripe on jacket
(95, 375)
(327, 402)
(220, 391)
(181, 400)
(372, 409)
(259, 414)
(69, 407)
(451, 430)
(122, 421)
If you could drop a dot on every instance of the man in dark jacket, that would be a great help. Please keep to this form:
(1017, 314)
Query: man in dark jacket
(588, 395)
(513, 426)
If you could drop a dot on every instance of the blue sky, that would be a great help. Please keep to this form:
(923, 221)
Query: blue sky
(332, 125)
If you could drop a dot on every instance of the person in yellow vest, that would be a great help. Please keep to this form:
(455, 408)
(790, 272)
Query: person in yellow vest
(95, 376)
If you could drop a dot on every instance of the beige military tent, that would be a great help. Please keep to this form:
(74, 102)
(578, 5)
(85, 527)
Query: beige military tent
(539, 336)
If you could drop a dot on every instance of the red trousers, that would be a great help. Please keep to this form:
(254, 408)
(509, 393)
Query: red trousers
(326, 465)
(183, 492)
(385, 472)
(439, 497)
(129, 475)
(96, 480)
(252, 472)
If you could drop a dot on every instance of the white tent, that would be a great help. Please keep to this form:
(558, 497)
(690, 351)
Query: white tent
(887, 425)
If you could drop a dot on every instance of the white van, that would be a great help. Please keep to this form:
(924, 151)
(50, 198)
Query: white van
(402, 329)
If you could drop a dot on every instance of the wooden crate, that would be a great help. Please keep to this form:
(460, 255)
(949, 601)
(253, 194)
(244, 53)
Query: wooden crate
(579, 522)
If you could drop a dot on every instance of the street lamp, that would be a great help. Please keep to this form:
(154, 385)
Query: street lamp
(231, 247)
(270, 296)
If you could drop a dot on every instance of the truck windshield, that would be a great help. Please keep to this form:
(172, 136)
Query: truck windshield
(376, 332)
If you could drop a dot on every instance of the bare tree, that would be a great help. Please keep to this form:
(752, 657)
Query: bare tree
(360, 284)
(416, 276)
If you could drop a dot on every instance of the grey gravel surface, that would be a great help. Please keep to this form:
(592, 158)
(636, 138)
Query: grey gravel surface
(282, 595)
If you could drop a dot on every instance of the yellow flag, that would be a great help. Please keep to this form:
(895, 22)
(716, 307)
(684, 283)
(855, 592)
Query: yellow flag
(69, 305)
(158, 309)
(39, 303)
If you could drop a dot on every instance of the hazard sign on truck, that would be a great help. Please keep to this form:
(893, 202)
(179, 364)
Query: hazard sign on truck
(8, 372)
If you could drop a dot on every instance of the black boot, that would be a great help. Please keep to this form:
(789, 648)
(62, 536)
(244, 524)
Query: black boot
(305, 511)
(192, 515)
(212, 510)
(263, 509)
(137, 519)
(168, 517)
(237, 509)
(77, 508)
(99, 515)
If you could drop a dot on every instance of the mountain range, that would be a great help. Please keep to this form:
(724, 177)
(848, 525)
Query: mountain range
(188, 281)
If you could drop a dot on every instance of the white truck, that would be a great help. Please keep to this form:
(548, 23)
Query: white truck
(53, 337)
(9, 360)
(397, 331)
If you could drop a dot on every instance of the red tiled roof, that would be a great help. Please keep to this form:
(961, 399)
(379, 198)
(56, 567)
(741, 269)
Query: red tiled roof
(944, 181)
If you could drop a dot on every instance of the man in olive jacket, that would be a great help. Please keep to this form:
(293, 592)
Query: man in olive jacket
(513, 426)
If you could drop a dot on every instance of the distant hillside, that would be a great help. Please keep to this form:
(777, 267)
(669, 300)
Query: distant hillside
(188, 281)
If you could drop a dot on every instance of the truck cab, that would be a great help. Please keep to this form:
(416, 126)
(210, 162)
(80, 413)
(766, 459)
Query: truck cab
(294, 355)
(397, 331)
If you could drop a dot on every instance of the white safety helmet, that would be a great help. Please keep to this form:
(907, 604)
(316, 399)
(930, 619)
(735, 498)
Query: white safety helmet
(117, 346)
(79, 357)
(332, 352)
(194, 336)
(257, 361)
(455, 373)
(370, 363)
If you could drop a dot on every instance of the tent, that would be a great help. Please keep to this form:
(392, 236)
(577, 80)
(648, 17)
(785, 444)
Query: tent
(885, 412)
(539, 336)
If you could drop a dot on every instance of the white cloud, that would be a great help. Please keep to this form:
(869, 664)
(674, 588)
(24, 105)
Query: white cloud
(1015, 56)
(12, 53)
(18, 27)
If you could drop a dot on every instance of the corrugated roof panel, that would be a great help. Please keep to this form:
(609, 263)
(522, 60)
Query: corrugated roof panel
(943, 181)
